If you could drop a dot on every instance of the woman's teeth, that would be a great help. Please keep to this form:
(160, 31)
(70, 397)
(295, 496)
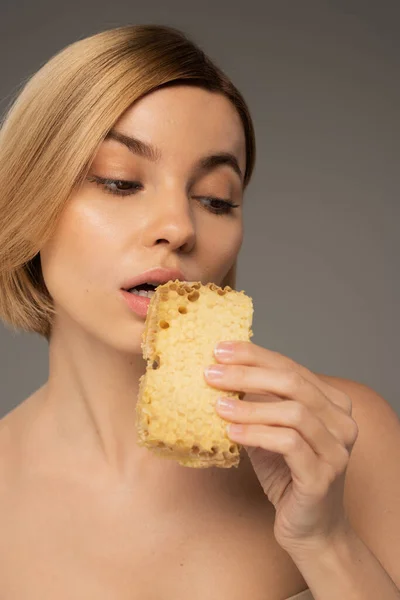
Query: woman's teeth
(144, 293)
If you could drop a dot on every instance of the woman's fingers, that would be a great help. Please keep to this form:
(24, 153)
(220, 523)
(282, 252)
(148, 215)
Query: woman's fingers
(284, 384)
(249, 354)
(288, 414)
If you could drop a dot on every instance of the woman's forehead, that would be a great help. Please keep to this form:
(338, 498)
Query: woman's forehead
(177, 113)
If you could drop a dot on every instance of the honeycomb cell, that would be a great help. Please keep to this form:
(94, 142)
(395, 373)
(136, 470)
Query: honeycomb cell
(193, 296)
(156, 363)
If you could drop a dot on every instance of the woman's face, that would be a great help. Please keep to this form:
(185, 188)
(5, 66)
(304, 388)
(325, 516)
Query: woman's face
(162, 219)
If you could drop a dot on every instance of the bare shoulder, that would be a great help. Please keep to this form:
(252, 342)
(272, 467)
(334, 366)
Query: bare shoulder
(372, 492)
(6, 464)
(13, 430)
(378, 423)
(377, 448)
(9, 430)
(364, 399)
(8, 440)
(6, 426)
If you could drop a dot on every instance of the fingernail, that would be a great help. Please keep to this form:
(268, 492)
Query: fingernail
(225, 405)
(224, 349)
(234, 429)
(214, 371)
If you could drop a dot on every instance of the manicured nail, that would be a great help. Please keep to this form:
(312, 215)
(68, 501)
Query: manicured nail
(214, 372)
(224, 350)
(225, 405)
(234, 429)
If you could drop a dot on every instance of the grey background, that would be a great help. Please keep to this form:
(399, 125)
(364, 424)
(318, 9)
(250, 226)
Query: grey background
(320, 256)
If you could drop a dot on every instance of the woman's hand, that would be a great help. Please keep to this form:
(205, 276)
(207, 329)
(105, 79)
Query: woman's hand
(298, 432)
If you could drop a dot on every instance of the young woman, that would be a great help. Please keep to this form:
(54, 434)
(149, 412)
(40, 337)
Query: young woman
(125, 159)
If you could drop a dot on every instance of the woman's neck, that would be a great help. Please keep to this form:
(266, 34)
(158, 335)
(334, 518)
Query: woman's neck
(92, 392)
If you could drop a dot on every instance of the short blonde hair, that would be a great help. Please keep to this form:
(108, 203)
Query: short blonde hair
(53, 129)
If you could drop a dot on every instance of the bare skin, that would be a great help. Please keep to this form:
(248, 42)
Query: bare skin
(85, 512)
(70, 529)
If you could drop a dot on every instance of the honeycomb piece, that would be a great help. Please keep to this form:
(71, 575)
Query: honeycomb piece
(175, 412)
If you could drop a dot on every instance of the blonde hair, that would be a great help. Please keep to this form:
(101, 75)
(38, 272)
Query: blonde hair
(53, 129)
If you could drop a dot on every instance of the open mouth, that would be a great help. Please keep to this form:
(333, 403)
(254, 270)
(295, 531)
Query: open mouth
(146, 290)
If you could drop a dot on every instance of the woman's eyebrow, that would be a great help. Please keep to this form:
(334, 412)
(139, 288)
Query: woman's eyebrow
(205, 164)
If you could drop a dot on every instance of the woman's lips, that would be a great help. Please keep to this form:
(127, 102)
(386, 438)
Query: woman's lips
(138, 304)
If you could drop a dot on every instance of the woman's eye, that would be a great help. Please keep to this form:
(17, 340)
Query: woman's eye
(121, 187)
(218, 206)
(113, 186)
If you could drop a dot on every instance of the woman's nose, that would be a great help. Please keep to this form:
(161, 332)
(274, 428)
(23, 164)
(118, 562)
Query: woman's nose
(170, 220)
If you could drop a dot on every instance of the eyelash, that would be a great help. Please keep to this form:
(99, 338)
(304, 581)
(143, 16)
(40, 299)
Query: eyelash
(103, 182)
